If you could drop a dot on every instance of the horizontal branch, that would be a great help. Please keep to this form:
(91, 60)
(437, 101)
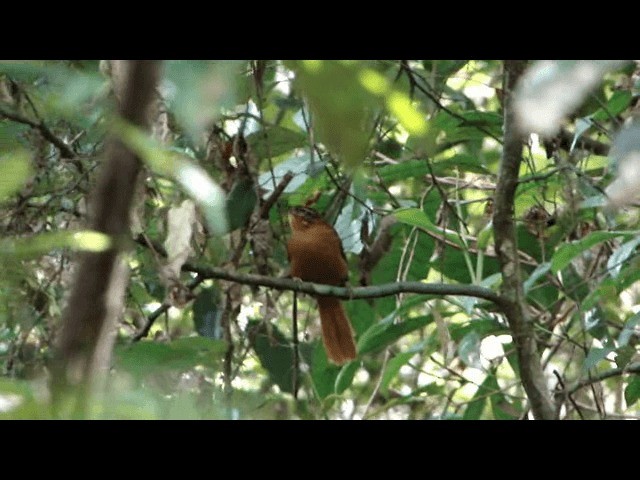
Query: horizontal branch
(615, 372)
(375, 291)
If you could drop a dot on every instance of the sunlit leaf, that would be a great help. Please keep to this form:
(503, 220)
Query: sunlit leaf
(40, 244)
(418, 218)
(190, 176)
(15, 170)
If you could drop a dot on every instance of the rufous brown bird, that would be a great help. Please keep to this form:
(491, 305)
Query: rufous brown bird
(316, 255)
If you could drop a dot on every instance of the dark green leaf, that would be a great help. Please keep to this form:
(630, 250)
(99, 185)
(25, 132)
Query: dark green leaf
(147, 357)
(207, 313)
(275, 141)
(386, 332)
(595, 356)
(469, 349)
(240, 203)
(567, 252)
(632, 391)
(275, 353)
(345, 377)
(620, 255)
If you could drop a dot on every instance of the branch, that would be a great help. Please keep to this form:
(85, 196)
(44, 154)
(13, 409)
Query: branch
(65, 150)
(520, 323)
(615, 372)
(344, 293)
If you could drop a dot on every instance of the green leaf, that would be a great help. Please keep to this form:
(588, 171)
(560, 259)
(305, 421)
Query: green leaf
(418, 218)
(342, 108)
(323, 373)
(478, 401)
(620, 256)
(632, 391)
(190, 176)
(37, 245)
(619, 101)
(275, 353)
(502, 409)
(15, 169)
(147, 357)
(482, 326)
(630, 329)
(567, 252)
(595, 355)
(207, 313)
(275, 141)
(403, 170)
(241, 201)
(386, 332)
(469, 349)
(535, 275)
(345, 377)
(199, 90)
(395, 364)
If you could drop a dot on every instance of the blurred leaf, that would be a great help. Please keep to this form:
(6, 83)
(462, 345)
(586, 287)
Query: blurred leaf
(323, 373)
(582, 125)
(551, 90)
(469, 349)
(619, 101)
(630, 329)
(620, 256)
(478, 401)
(276, 354)
(147, 357)
(191, 177)
(632, 391)
(482, 326)
(342, 109)
(15, 170)
(397, 362)
(345, 377)
(180, 222)
(539, 272)
(297, 165)
(198, 90)
(502, 409)
(417, 218)
(207, 313)
(595, 356)
(241, 201)
(403, 170)
(568, 251)
(40, 244)
(275, 141)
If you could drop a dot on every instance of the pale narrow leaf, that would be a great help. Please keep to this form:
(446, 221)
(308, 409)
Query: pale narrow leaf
(180, 222)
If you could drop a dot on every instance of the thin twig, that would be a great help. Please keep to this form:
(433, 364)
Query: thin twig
(569, 396)
(48, 135)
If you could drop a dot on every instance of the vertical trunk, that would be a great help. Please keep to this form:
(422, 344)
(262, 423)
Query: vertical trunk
(97, 294)
(520, 323)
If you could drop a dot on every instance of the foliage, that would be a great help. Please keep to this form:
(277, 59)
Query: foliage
(416, 140)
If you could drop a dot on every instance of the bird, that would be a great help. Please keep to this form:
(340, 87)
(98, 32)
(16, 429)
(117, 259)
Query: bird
(316, 255)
